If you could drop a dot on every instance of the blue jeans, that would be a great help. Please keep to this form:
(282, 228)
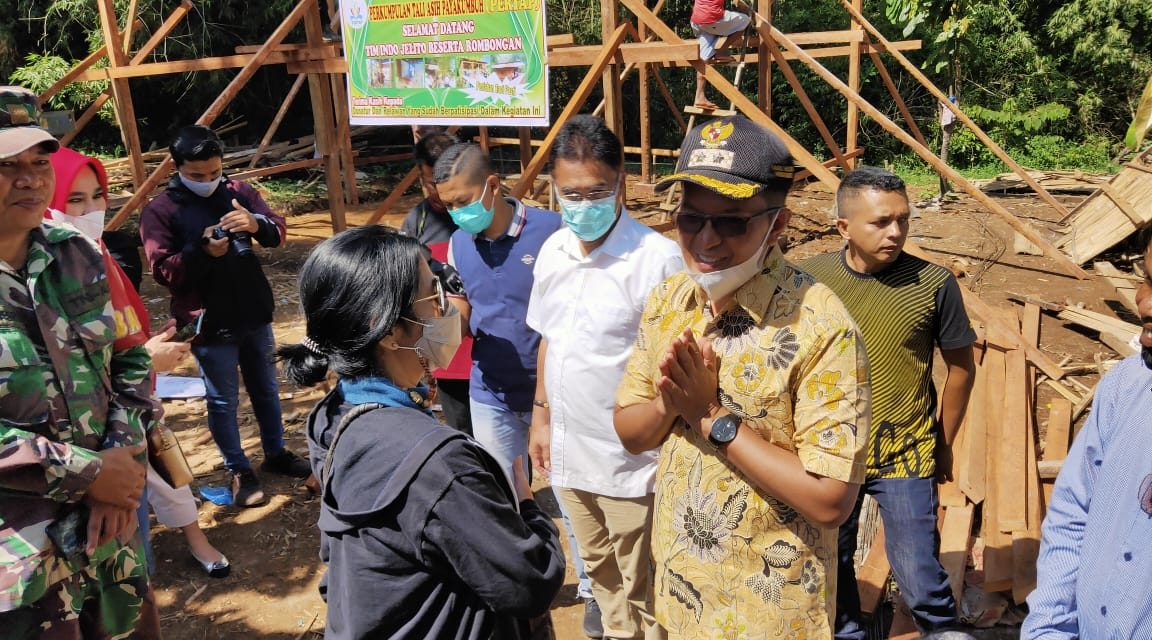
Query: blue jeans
(252, 353)
(504, 433)
(908, 510)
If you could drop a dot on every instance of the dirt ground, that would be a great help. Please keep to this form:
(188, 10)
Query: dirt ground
(272, 592)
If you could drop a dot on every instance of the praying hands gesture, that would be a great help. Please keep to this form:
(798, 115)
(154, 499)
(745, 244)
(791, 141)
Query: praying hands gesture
(688, 380)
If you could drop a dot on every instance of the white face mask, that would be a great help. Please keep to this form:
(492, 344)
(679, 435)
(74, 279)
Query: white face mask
(441, 338)
(202, 189)
(90, 224)
(720, 284)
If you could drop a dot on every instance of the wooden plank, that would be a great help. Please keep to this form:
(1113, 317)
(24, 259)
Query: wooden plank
(997, 546)
(971, 463)
(989, 316)
(955, 544)
(804, 174)
(858, 18)
(1025, 229)
(574, 104)
(1124, 284)
(275, 169)
(560, 40)
(214, 63)
(1012, 508)
(872, 574)
(328, 142)
(1026, 543)
(1057, 436)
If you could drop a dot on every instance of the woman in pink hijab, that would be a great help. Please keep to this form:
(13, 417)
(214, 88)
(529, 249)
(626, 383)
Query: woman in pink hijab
(81, 199)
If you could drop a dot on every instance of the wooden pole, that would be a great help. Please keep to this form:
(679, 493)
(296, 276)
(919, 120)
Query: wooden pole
(579, 97)
(525, 146)
(125, 111)
(894, 92)
(168, 25)
(144, 191)
(730, 91)
(764, 69)
(1025, 229)
(343, 138)
(129, 26)
(794, 82)
(673, 108)
(320, 93)
(853, 120)
(884, 43)
(279, 117)
(613, 112)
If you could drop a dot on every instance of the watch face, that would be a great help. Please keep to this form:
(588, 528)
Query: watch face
(724, 430)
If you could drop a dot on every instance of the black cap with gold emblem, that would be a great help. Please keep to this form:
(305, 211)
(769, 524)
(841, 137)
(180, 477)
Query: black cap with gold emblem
(734, 157)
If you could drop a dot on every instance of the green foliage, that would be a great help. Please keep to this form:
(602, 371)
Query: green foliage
(42, 71)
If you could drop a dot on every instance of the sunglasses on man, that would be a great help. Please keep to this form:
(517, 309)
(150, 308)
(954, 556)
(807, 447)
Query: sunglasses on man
(724, 226)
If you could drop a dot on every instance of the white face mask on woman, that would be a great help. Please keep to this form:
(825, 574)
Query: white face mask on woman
(90, 224)
(720, 284)
(441, 338)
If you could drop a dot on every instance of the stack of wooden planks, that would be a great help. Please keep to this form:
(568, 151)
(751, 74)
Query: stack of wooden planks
(1113, 213)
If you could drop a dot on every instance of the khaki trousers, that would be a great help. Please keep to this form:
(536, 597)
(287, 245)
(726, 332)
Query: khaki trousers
(614, 536)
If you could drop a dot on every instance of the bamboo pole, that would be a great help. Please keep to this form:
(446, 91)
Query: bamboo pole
(213, 111)
(1025, 229)
(893, 91)
(883, 42)
(730, 91)
(267, 139)
(579, 97)
(794, 82)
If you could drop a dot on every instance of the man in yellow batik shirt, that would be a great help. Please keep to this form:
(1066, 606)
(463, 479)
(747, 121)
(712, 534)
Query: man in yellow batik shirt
(752, 379)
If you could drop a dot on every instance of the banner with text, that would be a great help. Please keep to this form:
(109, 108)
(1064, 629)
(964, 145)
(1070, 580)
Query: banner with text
(457, 62)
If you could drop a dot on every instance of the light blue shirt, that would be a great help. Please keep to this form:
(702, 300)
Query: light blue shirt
(1094, 574)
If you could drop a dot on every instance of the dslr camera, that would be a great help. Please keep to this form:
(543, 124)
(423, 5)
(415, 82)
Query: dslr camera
(240, 241)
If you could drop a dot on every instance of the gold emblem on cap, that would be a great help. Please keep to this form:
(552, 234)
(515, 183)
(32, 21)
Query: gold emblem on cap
(19, 115)
(716, 134)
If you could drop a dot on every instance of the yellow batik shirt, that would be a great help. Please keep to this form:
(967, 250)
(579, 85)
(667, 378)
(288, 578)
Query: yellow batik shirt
(731, 561)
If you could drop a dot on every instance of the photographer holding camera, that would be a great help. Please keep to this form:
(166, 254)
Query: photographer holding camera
(198, 238)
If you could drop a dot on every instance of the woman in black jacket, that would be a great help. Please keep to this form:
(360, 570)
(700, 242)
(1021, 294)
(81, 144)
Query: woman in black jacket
(424, 535)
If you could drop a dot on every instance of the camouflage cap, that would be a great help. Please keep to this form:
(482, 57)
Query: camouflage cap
(20, 123)
(733, 157)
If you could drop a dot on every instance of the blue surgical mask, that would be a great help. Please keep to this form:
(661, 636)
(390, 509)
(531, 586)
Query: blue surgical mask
(202, 189)
(474, 218)
(589, 219)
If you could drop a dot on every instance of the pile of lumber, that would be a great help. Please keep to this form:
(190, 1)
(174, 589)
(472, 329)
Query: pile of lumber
(1076, 182)
(1118, 209)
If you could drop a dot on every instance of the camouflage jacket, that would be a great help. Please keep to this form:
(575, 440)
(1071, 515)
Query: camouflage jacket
(64, 395)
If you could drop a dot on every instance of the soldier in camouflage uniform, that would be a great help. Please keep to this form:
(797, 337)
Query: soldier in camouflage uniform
(73, 414)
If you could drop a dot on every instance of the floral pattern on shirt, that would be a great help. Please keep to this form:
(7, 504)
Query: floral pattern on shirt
(732, 561)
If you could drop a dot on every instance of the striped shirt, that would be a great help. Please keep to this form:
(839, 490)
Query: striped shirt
(1095, 563)
(902, 311)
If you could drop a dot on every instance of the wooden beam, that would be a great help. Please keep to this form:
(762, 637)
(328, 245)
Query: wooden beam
(73, 73)
(158, 36)
(997, 546)
(893, 91)
(279, 168)
(665, 93)
(955, 544)
(129, 26)
(1010, 446)
(858, 17)
(1057, 436)
(215, 63)
(327, 145)
(125, 110)
(344, 139)
(970, 461)
(575, 102)
(614, 106)
(804, 174)
(276, 120)
(213, 111)
(764, 71)
(558, 40)
(806, 102)
(733, 93)
(853, 118)
(1025, 229)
